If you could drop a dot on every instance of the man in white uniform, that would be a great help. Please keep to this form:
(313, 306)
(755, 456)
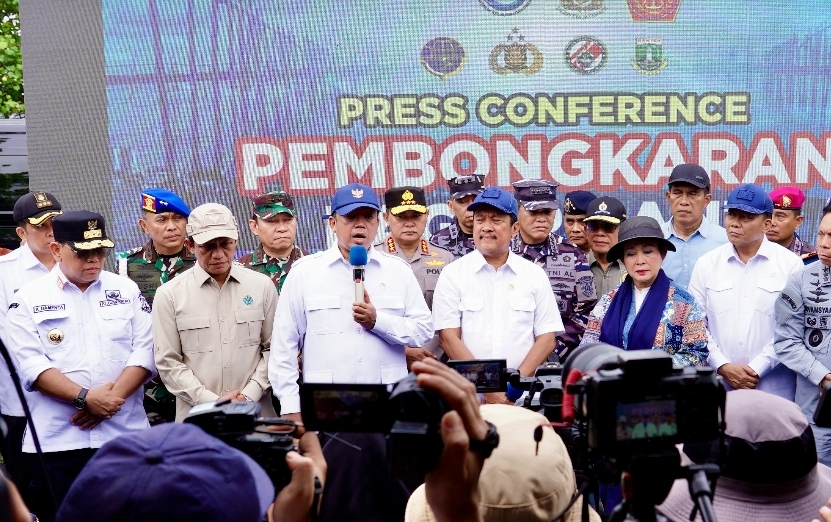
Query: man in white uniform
(737, 285)
(492, 303)
(81, 338)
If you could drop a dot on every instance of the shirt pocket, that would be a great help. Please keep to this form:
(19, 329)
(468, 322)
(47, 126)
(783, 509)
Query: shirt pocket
(322, 314)
(389, 304)
(59, 339)
(194, 333)
(117, 332)
(767, 292)
(719, 298)
(521, 313)
(249, 325)
(472, 308)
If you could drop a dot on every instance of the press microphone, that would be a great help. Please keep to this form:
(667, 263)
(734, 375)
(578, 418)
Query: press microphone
(357, 258)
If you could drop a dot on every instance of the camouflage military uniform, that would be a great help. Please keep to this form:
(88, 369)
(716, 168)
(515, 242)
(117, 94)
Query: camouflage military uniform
(571, 281)
(275, 268)
(453, 239)
(149, 270)
(800, 247)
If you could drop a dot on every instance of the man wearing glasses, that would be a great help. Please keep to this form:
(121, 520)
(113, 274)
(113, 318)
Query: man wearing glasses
(82, 338)
(274, 222)
(603, 217)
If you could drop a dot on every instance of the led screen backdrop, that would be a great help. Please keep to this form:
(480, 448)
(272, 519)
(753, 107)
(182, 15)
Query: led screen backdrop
(223, 99)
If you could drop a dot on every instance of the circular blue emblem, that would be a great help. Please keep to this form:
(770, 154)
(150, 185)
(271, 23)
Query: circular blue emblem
(443, 56)
(504, 7)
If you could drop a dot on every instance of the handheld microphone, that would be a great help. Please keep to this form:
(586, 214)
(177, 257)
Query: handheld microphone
(357, 258)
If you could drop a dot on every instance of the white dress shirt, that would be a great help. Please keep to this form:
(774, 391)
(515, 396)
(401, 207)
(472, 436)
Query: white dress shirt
(315, 312)
(738, 301)
(95, 334)
(16, 269)
(500, 312)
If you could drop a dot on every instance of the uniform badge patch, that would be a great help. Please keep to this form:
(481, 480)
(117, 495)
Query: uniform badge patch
(48, 308)
(55, 335)
(586, 285)
(815, 339)
(435, 262)
(14, 305)
(145, 306)
(248, 300)
(112, 294)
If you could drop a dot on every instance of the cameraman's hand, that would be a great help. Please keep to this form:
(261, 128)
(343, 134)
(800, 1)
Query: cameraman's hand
(739, 376)
(103, 402)
(452, 488)
(295, 502)
(497, 398)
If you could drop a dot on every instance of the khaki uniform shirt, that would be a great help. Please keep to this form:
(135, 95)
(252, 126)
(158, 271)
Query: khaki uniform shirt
(427, 263)
(609, 279)
(211, 340)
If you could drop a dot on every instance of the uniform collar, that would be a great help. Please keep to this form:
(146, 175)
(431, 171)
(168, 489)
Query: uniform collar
(27, 257)
(549, 247)
(703, 229)
(480, 262)
(333, 254)
(766, 250)
(391, 246)
(201, 276)
(62, 282)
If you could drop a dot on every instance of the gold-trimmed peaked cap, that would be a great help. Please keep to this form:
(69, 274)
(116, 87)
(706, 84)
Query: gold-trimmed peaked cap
(36, 207)
(81, 230)
(402, 199)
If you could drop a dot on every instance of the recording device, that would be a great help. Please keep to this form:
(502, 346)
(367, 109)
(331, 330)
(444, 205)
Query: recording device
(489, 375)
(822, 415)
(238, 424)
(409, 415)
(358, 258)
(629, 409)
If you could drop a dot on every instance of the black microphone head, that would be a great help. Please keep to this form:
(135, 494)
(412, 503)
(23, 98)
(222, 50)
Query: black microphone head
(357, 256)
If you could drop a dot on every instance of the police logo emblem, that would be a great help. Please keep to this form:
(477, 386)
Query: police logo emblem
(443, 56)
(585, 54)
(649, 56)
(41, 200)
(55, 336)
(582, 8)
(407, 196)
(357, 193)
(653, 11)
(602, 206)
(514, 54)
(504, 7)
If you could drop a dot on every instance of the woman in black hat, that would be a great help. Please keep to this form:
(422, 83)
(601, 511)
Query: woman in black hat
(648, 311)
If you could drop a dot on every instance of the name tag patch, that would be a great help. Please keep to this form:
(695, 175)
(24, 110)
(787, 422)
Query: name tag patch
(48, 308)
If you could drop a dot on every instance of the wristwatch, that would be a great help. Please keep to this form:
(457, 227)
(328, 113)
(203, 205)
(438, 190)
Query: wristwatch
(80, 402)
(486, 446)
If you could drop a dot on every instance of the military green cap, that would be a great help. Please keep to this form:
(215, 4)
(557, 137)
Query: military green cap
(272, 203)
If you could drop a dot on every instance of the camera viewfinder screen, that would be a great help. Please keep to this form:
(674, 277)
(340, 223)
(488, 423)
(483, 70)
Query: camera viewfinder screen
(485, 375)
(645, 420)
(349, 409)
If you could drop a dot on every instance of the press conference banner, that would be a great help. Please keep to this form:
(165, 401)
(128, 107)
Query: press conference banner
(220, 100)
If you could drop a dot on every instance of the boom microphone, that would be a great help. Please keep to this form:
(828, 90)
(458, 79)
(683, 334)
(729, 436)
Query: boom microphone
(357, 258)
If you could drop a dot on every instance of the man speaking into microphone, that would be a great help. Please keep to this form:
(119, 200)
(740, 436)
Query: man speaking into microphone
(344, 339)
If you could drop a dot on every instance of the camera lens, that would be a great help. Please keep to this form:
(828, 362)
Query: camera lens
(590, 357)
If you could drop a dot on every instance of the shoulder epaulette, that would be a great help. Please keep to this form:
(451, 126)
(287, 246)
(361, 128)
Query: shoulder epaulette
(809, 258)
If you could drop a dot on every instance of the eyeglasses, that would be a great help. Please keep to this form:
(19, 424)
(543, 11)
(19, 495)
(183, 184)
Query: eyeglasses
(86, 254)
(594, 226)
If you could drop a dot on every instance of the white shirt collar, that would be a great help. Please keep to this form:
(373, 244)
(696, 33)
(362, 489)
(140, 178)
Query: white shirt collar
(765, 250)
(333, 254)
(479, 261)
(27, 257)
(62, 281)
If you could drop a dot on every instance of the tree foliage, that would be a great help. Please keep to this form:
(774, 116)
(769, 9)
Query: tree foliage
(11, 60)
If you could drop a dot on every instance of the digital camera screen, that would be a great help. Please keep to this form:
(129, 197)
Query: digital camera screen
(485, 375)
(645, 420)
(345, 409)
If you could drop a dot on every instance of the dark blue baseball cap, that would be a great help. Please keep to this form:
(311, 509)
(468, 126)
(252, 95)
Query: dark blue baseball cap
(352, 196)
(497, 198)
(158, 200)
(168, 473)
(577, 202)
(751, 199)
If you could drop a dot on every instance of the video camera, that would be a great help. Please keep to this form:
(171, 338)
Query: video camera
(629, 410)
(238, 424)
(409, 415)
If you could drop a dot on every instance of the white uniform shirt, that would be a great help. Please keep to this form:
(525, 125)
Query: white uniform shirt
(315, 312)
(738, 301)
(16, 269)
(95, 334)
(500, 312)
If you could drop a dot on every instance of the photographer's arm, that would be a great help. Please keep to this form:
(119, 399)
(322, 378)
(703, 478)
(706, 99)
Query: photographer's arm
(295, 502)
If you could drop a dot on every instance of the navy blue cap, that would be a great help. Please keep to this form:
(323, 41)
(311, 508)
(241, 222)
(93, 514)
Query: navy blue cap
(352, 196)
(691, 174)
(751, 199)
(158, 200)
(462, 186)
(536, 194)
(497, 198)
(577, 202)
(604, 208)
(168, 473)
(82, 230)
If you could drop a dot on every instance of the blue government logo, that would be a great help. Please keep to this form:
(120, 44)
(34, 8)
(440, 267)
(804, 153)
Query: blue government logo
(504, 7)
(443, 56)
